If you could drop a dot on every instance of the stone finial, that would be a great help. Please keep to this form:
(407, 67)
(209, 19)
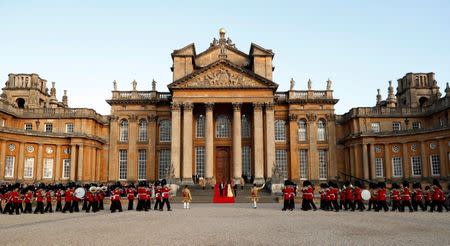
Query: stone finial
(292, 84)
(53, 84)
(378, 97)
(53, 90)
(153, 85)
(309, 84)
(391, 100)
(115, 85)
(329, 82)
(134, 84)
(65, 98)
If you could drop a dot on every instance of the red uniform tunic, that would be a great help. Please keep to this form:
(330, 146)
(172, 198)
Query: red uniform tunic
(357, 194)
(436, 194)
(148, 194)
(428, 196)
(349, 194)
(39, 197)
(165, 192)
(116, 195)
(381, 194)
(48, 196)
(58, 195)
(130, 193)
(308, 192)
(68, 197)
(28, 197)
(418, 196)
(395, 195)
(14, 196)
(89, 197)
(406, 196)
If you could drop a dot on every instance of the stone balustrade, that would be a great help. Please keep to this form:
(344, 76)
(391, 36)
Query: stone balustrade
(304, 95)
(140, 95)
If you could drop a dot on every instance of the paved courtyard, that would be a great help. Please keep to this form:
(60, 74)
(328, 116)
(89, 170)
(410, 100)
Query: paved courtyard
(227, 224)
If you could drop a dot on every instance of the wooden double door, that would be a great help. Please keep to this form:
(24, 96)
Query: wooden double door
(223, 159)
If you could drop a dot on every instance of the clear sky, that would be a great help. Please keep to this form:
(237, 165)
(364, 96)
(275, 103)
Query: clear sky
(360, 45)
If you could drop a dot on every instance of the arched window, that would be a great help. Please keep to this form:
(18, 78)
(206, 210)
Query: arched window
(302, 130)
(142, 130)
(164, 131)
(200, 127)
(223, 128)
(123, 131)
(321, 132)
(280, 130)
(245, 127)
(20, 102)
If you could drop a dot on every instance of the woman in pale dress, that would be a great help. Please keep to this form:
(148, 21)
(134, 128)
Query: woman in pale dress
(229, 190)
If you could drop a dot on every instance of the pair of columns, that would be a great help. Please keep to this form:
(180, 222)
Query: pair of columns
(187, 125)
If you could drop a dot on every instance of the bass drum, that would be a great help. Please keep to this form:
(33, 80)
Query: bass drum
(365, 194)
(80, 193)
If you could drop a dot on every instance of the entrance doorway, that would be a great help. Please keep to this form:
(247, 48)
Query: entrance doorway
(222, 164)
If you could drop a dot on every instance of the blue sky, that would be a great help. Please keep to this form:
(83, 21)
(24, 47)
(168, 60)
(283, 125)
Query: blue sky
(84, 45)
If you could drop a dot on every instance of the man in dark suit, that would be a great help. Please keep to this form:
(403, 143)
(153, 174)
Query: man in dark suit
(221, 187)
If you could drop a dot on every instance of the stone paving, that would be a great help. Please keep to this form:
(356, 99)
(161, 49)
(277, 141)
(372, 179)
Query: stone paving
(227, 224)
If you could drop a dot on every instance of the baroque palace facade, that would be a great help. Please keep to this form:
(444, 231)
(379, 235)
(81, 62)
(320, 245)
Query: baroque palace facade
(224, 118)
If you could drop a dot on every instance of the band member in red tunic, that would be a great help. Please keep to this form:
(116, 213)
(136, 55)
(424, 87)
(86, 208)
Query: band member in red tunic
(349, 198)
(381, 197)
(333, 191)
(373, 201)
(158, 198)
(308, 196)
(417, 200)
(58, 195)
(142, 196)
(28, 199)
(406, 197)
(342, 196)
(395, 197)
(39, 201)
(436, 199)
(130, 196)
(323, 196)
(165, 196)
(48, 199)
(148, 198)
(428, 195)
(15, 200)
(68, 200)
(101, 197)
(115, 200)
(358, 197)
(90, 199)
(287, 193)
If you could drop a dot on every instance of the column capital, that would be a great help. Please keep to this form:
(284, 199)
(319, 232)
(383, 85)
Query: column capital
(132, 118)
(258, 106)
(152, 118)
(293, 117)
(209, 106)
(237, 106)
(188, 106)
(175, 106)
(269, 105)
(311, 116)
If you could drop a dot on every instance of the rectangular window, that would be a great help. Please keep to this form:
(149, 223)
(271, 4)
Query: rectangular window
(281, 162)
(302, 134)
(379, 167)
(303, 162)
(69, 128)
(142, 164)
(28, 127)
(396, 126)
(416, 165)
(28, 169)
(435, 165)
(66, 169)
(2, 122)
(163, 163)
(48, 168)
(376, 127)
(48, 127)
(397, 169)
(246, 161)
(416, 125)
(123, 159)
(200, 161)
(200, 127)
(323, 164)
(9, 166)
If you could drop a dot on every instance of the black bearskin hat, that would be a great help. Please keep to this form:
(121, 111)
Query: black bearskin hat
(405, 183)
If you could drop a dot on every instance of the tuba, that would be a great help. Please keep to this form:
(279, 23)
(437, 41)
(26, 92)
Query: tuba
(93, 189)
(104, 188)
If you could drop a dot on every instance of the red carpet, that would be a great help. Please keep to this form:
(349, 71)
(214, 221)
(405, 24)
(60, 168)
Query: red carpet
(224, 198)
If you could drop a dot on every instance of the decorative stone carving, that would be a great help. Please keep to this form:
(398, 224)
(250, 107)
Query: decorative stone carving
(115, 85)
(311, 116)
(329, 82)
(209, 106)
(134, 83)
(113, 118)
(269, 105)
(309, 84)
(153, 85)
(188, 106)
(152, 118)
(132, 118)
(330, 117)
(221, 77)
(292, 84)
(237, 106)
(175, 106)
(257, 106)
(293, 117)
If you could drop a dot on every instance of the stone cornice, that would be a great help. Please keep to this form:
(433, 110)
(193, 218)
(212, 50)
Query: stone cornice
(52, 134)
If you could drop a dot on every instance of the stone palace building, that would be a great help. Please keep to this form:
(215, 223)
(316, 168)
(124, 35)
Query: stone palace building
(224, 118)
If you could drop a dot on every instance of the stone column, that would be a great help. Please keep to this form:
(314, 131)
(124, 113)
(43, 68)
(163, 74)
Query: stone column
(332, 148)
(372, 161)
(113, 163)
(258, 142)
(93, 163)
(2, 159)
(80, 163)
(175, 147)
(132, 150)
(237, 142)
(98, 162)
(426, 169)
(406, 161)
(313, 151)
(39, 162)
(443, 158)
(270, 141)
(58, 163)
(187, 143)
(365, 161)
(73, 163)
(293, 140)
(151, 155)
(209, 134)
(351, 154)
(21, 160)
(387, 162)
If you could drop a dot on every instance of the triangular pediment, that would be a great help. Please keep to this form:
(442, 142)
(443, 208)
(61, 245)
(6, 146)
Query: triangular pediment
(222, 74)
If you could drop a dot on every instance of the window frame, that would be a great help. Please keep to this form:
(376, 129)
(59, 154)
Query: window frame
(323, 164)
(200, 161)
(379, 167)
(396, 126)
(48, 127)
(432, 163)
(280, 131)
(10, 160)
(165, 131)
(281, 160)
(26, 168)
(225, 131)
(375, 127)
(123, 130)
(400, 167)
(69, 128)
(142, 164)
(303, 164)
(143, 130)
(123, 164)
(28, 127)
(47, 168)
(321, 130)
(66, 168)
(302, 131)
